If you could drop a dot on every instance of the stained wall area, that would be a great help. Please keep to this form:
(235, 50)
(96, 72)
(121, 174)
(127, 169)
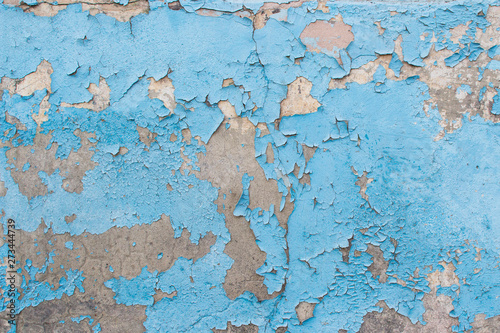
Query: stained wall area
(247, 166)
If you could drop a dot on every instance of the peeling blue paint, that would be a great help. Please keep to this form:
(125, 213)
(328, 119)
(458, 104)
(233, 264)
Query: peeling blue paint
(441, 193)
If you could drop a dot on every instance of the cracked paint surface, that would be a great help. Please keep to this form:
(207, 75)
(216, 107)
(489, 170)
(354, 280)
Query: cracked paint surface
(241, 166)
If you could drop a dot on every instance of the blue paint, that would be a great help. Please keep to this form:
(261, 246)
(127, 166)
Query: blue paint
(423, 191)
(465, 88)
(37, 292)
(138, 291)
(496, 103)
(493, 65)
(395, 65)
(244, 202)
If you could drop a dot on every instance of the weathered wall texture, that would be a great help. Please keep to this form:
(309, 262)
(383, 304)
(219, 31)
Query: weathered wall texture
(219, 166)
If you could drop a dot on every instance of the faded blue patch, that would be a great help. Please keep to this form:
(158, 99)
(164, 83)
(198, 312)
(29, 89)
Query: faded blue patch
(465, 88)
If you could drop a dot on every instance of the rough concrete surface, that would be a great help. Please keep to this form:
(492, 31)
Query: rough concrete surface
(249, 166)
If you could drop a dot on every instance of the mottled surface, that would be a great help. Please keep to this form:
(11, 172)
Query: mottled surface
(241, 166)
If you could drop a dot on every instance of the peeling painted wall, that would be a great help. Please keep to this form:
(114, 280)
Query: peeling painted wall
(239, 166)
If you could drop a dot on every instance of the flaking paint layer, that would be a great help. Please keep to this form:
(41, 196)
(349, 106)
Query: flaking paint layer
(242, 166)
